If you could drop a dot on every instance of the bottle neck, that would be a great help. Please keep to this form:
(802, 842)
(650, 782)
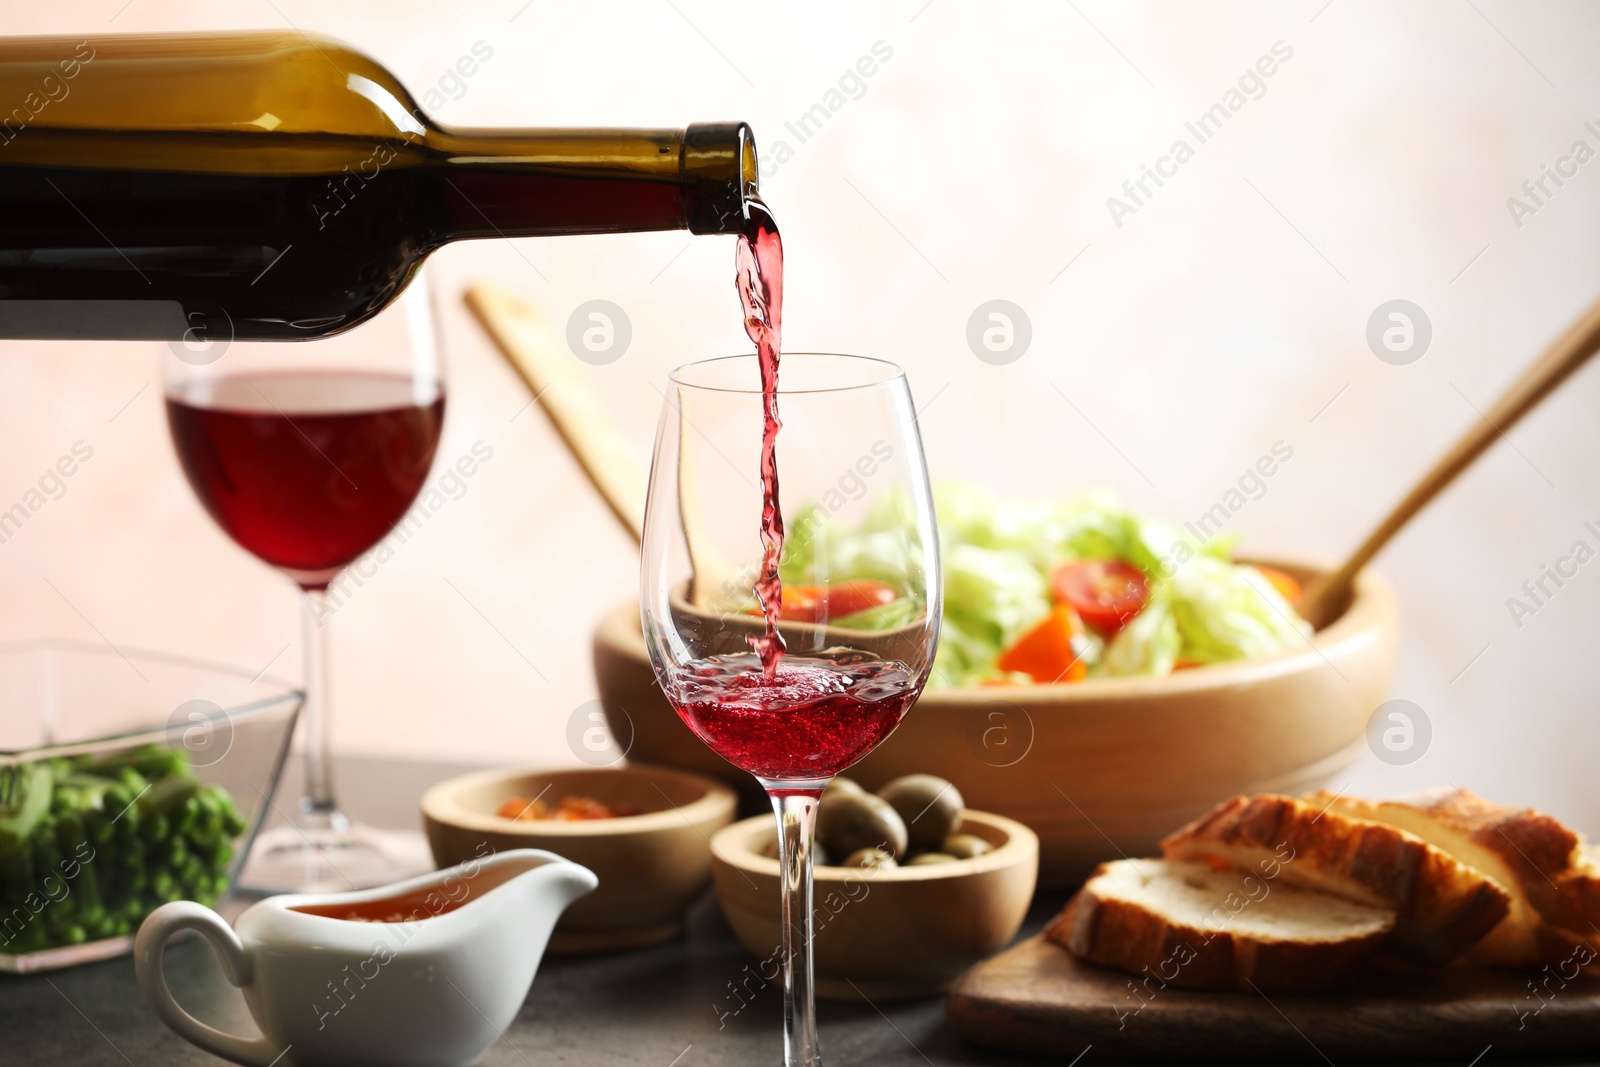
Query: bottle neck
(520, 183)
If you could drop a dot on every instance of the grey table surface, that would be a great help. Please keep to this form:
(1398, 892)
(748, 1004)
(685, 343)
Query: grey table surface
(666, 1006)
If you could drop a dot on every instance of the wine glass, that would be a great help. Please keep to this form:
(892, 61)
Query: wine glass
(308, 455)
(860, 615)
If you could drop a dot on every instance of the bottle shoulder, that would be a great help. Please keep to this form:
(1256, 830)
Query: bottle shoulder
(156, 99)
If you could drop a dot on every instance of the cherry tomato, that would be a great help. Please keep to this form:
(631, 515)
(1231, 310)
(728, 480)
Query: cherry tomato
(1282, 582)
(1106, 593)
(820, 603)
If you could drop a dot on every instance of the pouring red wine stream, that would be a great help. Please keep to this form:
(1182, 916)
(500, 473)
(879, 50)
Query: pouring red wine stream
(760, 282)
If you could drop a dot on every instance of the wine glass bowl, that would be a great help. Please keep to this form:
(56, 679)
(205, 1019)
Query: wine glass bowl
(308, 456)
(857, 601)
(850, 461)
(306, 469)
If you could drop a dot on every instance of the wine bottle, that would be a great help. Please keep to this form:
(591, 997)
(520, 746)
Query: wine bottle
(283, 186)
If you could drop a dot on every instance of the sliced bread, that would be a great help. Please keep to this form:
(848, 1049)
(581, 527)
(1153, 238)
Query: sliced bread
(1197, 926)
(1551, 876)
(1443, 906)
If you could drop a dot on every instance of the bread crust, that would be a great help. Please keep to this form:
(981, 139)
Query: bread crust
(1159, 951)
(1443, 905)
(1550, 860)
(1548, 870)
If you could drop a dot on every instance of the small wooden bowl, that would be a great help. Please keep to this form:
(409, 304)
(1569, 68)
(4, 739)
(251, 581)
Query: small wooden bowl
(1101, 767)
(651, 866)
(883, 934)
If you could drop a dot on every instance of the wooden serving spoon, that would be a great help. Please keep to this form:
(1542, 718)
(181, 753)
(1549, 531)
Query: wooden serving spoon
(580, 417)
(1327, 597)
(577, 413)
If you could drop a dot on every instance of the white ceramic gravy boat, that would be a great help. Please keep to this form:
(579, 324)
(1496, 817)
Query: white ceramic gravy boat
(435, 991)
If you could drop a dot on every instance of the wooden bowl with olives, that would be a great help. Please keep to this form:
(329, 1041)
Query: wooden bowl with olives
(931, 888)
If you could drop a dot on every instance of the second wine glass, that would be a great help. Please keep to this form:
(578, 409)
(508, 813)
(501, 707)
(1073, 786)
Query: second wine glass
(860, 601)
(308, 455)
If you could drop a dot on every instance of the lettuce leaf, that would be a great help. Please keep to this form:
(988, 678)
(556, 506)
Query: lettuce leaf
(995, 596)
(963, 657)
(1147, 645)
(817, 551)
(1227, 612)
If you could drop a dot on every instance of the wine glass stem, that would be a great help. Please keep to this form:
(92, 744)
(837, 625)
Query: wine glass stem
(317, 807)
(797, 823)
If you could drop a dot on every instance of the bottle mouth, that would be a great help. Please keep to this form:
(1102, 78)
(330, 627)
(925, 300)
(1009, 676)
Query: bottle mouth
(719, 170)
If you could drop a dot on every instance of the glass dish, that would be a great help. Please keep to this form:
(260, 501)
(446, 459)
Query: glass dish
(205, 743)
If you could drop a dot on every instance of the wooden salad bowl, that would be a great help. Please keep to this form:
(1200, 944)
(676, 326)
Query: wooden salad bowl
(1098, 768)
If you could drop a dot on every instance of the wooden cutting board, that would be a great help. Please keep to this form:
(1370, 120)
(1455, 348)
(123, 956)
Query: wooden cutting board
(1035, 998)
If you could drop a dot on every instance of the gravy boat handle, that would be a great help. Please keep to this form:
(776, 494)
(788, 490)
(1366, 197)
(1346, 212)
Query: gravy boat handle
(147, 948)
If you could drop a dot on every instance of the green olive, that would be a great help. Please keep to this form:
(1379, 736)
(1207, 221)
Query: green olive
(848, 822)
(871, 858)
(929, 806)
(842, 785)
(928, 858)
(965, 846)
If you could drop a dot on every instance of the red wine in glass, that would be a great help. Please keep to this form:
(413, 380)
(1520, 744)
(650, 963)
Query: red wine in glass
(306, 470)
(810, 720)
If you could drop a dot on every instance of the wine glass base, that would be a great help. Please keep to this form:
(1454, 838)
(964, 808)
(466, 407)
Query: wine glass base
(332, 859)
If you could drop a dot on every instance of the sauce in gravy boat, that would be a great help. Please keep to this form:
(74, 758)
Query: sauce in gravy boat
(429, 971)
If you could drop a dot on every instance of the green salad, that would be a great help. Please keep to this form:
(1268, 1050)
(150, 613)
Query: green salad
(1057, 590)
